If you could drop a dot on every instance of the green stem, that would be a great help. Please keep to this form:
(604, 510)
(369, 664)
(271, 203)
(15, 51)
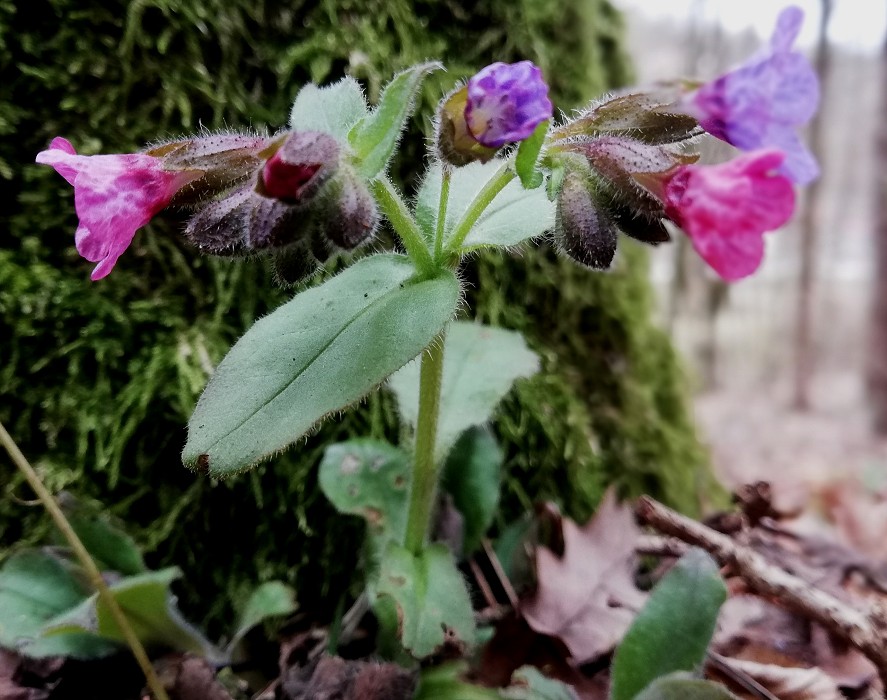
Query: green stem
(442, 212)
(424, 483)
(477, 207)
(86, 561)
(392, 205)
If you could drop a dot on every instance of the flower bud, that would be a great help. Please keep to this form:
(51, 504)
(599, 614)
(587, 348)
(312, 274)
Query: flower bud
(293, 264)
(455, 143)
(582, 229)
(502, 104)
(225, 160)
(284, 201)
(353, 217)
(299, 166)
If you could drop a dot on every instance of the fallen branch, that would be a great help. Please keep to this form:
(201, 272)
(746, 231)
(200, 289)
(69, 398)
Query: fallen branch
(866, 630)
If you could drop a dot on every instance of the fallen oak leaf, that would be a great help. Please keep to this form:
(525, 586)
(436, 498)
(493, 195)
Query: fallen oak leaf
(587, 598)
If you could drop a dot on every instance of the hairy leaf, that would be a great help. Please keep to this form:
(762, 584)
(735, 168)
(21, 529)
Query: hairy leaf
(682, 686)
(430, 597)
(674, 628)
(333, 109)
(375, 136)
(471, 476)
(150, 608)
(369, 478)
(528, 156)
(322, 351)
(35, 586)
(270, 599)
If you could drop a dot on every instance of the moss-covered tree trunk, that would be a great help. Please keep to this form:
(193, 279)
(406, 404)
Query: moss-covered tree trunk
(97, 379)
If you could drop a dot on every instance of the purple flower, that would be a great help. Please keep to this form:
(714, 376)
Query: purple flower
(762, 103)
(506, 102)
(114, 196)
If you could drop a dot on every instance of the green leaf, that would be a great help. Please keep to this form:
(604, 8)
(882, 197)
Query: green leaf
(36, 586)
(528, 156)
(111, 547)
(673, 629)
(527, 683)
(369, 478)
(333, 109)
(375, 136)
(445, 682)
(149, 606)
(514, 216)
(270, 599)
(682, 686)
(319, 353)
(430, 596)
(471, 476)
(480, 365)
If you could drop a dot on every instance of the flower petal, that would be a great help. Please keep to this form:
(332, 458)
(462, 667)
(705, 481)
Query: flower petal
(725, 209)
(788, 26)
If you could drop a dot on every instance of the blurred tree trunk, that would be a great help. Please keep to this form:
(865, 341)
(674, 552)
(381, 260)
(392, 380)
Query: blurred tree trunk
(809, 229)
(877, 358)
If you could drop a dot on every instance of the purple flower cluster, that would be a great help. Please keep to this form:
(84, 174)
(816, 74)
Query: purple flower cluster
(762, 103)
(506, 102)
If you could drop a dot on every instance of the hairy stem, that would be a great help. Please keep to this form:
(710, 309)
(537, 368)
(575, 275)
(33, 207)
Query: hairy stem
(442, 212)
(477, 207)
(403, 223)
(86, 561)
(424, 483)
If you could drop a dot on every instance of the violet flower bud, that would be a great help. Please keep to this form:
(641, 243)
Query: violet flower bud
(582, 229)
(506, 102)
(502, 104)
(300, 166)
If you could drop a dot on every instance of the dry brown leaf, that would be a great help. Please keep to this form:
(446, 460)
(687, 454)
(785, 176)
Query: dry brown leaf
(333, 678)
(10, 688)
(859, 515)
(588, 598)
(189, 677)
(786, 683)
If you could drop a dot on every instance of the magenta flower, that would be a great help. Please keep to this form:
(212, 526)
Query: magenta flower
(725, 209)
(114, 196)
(762, 103)
(506, 102)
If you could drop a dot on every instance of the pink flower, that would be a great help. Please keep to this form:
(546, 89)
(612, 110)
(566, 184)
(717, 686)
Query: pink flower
(114, 196)
(725, 209)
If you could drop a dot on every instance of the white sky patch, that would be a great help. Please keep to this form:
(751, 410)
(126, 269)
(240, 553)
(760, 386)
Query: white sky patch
(857, 24)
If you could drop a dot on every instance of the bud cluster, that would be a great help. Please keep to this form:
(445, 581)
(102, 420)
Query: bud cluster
(293, 196)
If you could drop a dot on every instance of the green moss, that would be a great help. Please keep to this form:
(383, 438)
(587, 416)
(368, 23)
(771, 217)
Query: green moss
(99, 379)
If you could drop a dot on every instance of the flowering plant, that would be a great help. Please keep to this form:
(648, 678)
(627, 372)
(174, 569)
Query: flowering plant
(503, 171)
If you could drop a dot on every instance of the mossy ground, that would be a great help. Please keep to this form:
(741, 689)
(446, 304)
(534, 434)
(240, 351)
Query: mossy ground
(97, 380)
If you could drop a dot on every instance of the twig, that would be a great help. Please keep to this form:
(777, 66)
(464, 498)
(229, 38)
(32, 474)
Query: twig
(739, 677)
(864, 630)
(86, 561)
(500, 572)
(656, 546)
